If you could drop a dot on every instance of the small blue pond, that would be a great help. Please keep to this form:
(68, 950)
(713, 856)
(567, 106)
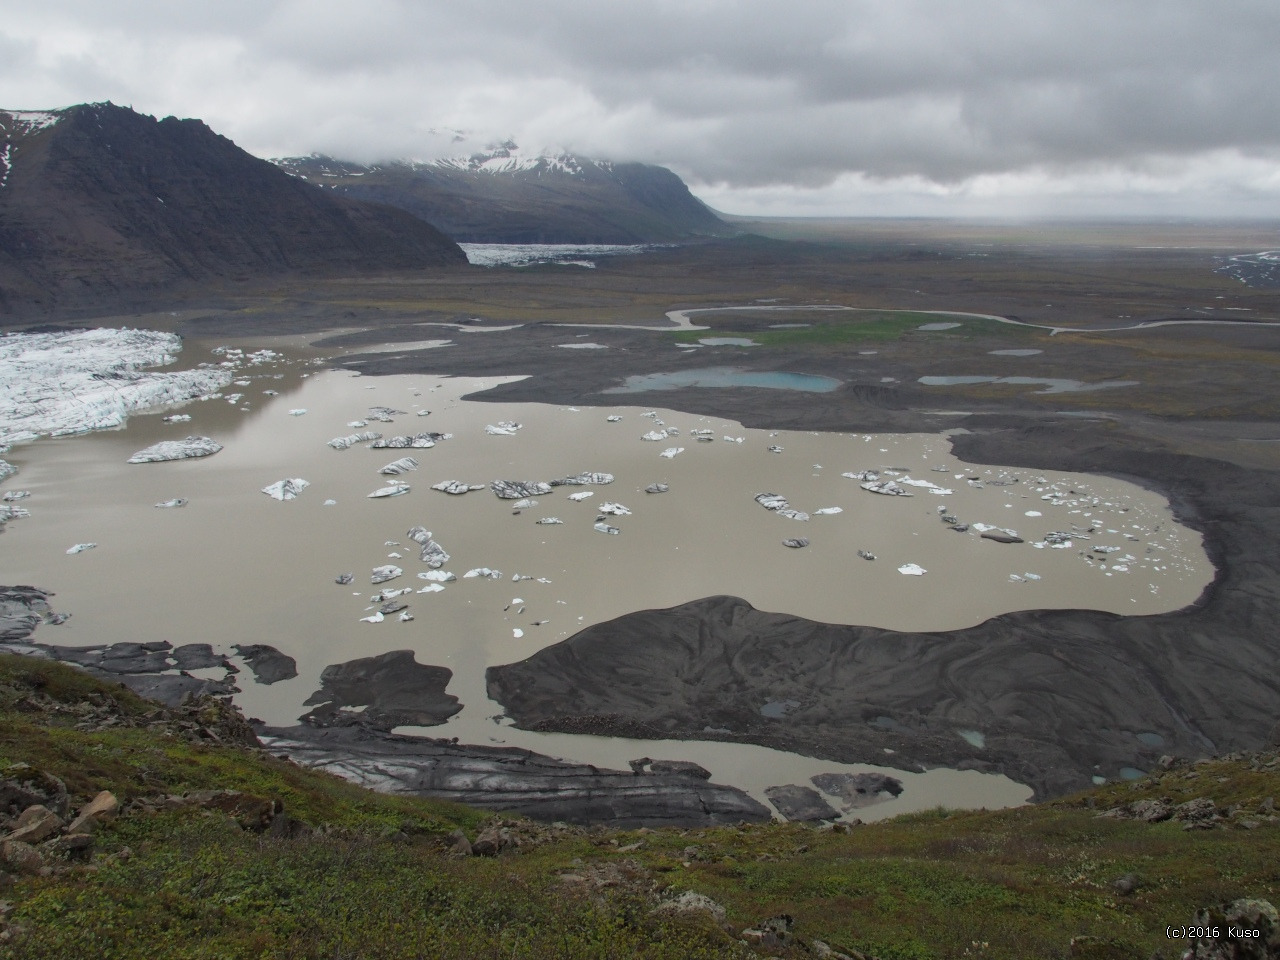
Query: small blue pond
(726, 377)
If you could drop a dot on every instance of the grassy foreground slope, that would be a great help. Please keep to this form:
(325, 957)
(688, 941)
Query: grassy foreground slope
(300, 864)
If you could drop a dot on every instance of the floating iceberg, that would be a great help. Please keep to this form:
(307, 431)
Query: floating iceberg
(384, 414)
(299, 412)
(395, 490)
(655, 435)
(286, 489)
(185, 449)
(657, 488)
(344, 578)
(12, 496)
(615, 509)
(671, 452)
(484, 573)
(503, 428)
(828, 511)
(525, 504)
(397, 467)
(81, 548)
(796, 542)
(417, 441)
(433, 555)
(341, 443)
(545, 521)
(912, 570)
(455, 487)
(613, 419)
(384, 573)
(931, 487)
(175, 502)
(888, 488)
(581, 496)
(177, 418)
(519, 489)
(778, 504)
(597, 479)
(437, 576)
(603, 527)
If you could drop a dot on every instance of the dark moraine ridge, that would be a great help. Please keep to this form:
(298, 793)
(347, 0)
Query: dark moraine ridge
(1059, 695)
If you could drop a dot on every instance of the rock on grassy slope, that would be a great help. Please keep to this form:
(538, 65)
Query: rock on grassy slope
(219, 849)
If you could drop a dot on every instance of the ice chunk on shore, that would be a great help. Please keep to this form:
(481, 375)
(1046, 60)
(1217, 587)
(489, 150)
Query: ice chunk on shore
(185, 449)
(286, 489)
(395, 490)
(397, 467)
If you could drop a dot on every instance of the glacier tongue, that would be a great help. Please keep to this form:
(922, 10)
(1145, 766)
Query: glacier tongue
(74, 382)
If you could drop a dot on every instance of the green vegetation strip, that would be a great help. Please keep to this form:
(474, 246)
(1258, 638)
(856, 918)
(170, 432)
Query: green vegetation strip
(373, 876)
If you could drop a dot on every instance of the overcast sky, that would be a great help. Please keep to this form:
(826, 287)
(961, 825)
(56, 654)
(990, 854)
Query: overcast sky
(947, 107)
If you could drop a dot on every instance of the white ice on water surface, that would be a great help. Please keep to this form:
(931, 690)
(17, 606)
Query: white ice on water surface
(77, 381)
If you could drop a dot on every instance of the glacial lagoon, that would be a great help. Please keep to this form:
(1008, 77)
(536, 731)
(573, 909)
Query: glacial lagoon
(236, 566)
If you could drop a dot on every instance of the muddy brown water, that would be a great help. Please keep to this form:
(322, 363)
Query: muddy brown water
(235, 566)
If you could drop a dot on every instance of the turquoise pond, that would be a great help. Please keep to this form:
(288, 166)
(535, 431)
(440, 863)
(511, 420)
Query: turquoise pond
(726, 377)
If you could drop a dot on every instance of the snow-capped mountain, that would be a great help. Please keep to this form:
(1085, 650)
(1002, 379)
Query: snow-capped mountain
(97, 198)
(508, 195)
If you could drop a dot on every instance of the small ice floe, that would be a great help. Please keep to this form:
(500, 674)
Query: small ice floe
(395, 490)
(81, 548)
(344, 578)
(175, 502)
(602, 527)
(655, 435)
(583, 495)
(1033, 513)
(586, 477)
(177, 418)
(432, 587)
(657, 488)
(866, 555)
(330, 503)
(423, 413)
(545, 521)
(12, 496)
(887, 488)
(519, 489)
(728, 439)
(393, 555)
(286, 489)
(778, 504)
(703, 434)
(417, 441)
(614, 509)
(912, 570)
(774, 448)
(517, 633)
(433, 555)
(828, 511)
(503, 428)
(1014, 578)
(341, 443)
(405, 616)
(796, 542)
(375, 618)
(397, 467)
(869, 476)
(357, 423)
(651, 414)
(482, 573)
(1031, 576)
(384, 414)
(612, 419)
(525, 504)
(271, 393)
(437, 576)
(298, 412)
(384, 573)
(671, 452)
(185, 449)
(12, 513)
(931, 487)
(456, 487)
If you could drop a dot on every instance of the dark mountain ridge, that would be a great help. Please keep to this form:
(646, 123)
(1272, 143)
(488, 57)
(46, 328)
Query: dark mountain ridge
(96, 199)
(505, 196)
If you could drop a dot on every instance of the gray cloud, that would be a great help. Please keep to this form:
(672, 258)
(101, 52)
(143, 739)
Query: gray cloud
(934, 99)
